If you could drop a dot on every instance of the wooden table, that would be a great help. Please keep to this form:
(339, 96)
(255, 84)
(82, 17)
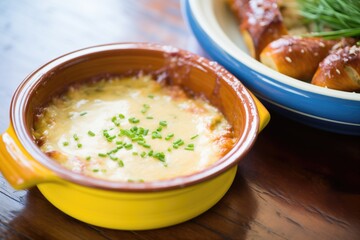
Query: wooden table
(296, 183)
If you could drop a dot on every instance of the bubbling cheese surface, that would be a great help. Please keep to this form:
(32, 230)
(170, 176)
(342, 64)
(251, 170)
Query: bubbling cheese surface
(132, 129)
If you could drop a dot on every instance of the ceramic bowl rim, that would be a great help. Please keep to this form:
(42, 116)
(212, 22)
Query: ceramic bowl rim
(20, 100)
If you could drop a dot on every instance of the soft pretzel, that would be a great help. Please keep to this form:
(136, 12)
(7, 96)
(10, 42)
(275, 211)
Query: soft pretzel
(296, 57)
(340, 70)
(260, 23)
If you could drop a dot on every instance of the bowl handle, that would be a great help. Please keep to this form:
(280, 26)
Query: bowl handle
(264, 115)
(17, 166)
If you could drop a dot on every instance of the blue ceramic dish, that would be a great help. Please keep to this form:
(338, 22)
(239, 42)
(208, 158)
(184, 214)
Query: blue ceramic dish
(216, 29)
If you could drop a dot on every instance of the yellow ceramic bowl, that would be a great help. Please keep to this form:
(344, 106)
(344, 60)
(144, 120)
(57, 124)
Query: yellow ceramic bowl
(124, 205)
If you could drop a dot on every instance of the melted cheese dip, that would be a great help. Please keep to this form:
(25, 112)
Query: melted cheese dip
(132, 129)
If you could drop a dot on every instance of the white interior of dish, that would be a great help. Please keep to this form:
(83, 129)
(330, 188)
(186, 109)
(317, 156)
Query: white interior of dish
(217, 20)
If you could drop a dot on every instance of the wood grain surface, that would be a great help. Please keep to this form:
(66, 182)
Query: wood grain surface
(296, 183)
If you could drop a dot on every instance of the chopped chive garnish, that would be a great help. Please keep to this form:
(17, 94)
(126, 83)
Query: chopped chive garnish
(83, 113)
(190, 147)
(120, 163)
(79, 145)
(128, 146)
(127, 133)
(137, 139)
(163, 123)
(151, 96)
(115, 121)
(65, 144)
(160, 156)
(156, 134)
(76, 138)
(88, 158)
(195, 136)
(135, 134)
(133, 120)
(178, 143)
(114, 151)
(91, 134)
(169, 136)
(95, 170)
(141, 142)
(142, 131)
(107, 136)
(113, 158)
(109, 139)
(145, 108)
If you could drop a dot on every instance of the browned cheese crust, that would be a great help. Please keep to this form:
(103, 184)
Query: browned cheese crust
(132, 128)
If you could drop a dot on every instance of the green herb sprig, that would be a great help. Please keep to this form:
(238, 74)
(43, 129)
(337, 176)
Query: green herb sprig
(342, 16)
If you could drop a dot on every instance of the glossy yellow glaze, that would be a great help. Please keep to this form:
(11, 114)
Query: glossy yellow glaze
(19, 168)
(136, 210)
(114, 209)
(110, 209)
(264, 115)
